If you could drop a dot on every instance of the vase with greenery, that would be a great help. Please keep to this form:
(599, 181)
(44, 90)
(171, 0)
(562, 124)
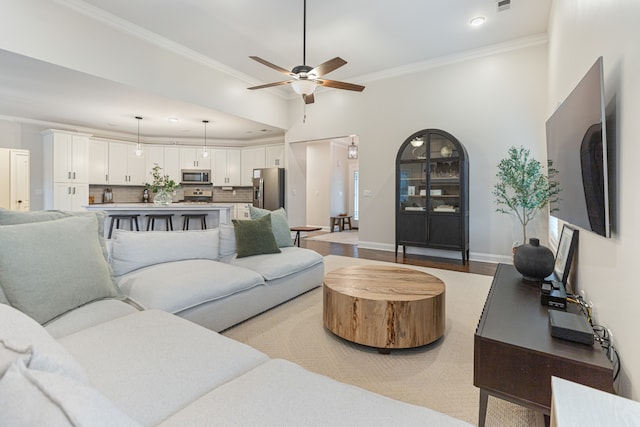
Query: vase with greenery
(162, 186)
(523, 189)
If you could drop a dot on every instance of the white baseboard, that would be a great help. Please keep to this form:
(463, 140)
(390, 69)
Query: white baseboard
(473, 256)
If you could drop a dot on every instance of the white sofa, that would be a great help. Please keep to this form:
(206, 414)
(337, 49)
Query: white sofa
(198, 275)
(100, 361)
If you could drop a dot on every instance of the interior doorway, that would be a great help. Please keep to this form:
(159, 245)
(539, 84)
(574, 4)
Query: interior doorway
(323, 180)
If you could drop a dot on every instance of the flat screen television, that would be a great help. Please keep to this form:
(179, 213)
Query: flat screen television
(577, 146)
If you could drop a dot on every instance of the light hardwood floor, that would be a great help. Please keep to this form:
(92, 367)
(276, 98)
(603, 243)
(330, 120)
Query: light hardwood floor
(327, 248)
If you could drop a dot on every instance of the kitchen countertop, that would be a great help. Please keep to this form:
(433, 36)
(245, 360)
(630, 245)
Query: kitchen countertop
(149, 206)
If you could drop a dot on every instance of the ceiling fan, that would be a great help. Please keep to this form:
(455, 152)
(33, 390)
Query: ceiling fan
(305, 79)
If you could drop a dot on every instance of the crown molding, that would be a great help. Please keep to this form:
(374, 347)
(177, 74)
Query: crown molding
(521, 43)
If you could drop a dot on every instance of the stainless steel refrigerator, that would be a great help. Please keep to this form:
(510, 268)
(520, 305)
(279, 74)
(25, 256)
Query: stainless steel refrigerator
(268, 188)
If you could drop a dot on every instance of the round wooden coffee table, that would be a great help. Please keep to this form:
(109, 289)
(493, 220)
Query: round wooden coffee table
(386, 307)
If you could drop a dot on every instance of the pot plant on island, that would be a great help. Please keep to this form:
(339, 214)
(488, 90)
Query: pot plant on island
(162, 186)
(524, 190)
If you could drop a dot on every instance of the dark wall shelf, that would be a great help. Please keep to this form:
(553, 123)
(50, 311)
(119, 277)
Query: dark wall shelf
(432, 193)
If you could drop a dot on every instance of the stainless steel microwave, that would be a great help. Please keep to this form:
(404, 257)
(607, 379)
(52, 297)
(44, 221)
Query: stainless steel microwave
(195, 176)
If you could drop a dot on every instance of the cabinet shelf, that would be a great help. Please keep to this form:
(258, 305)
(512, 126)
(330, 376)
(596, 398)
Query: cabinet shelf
(423, 174)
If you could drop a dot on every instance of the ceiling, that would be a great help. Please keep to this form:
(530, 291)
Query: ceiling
(376, 37)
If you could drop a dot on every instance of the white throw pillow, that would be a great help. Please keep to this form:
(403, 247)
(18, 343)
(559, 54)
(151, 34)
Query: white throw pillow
(23, 338)
(30, 397)
(132, 250)
(227, 240)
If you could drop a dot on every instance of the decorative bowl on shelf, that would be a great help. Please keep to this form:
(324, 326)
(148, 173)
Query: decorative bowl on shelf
(446, 151)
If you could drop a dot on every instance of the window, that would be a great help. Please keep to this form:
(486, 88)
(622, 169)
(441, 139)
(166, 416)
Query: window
(355, 196)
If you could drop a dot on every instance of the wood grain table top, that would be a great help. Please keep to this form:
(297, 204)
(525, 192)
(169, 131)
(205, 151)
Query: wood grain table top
(384, 283)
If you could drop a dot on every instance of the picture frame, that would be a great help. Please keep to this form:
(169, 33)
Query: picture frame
(564, 256)
(411, 190)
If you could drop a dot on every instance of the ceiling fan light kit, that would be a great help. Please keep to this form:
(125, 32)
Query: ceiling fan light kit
(305, 79)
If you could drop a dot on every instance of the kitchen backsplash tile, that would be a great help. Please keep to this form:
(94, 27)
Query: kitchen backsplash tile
(133, 194)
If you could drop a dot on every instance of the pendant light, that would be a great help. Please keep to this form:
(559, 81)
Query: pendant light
(205, 153)
(138, 146)
(352, 151)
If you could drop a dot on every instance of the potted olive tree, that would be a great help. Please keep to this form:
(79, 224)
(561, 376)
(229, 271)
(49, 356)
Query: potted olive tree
(524, 190)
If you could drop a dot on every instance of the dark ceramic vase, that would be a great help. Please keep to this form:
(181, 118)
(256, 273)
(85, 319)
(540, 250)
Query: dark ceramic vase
(533, 261)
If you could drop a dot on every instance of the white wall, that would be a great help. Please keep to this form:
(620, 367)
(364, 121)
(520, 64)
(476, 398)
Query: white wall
(318, 185)
(339, 168)
(580, 31)
(489, 103)
(51, 32)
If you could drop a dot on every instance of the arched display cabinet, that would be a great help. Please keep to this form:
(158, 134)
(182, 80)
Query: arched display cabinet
(432, 193)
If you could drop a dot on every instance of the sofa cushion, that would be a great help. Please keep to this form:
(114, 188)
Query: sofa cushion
(89, 315)
(30, 397)
(255, 237)
(151, 364)
(179, 285)
(48, 268)
(275, 266)
(227, 240)
(279, 224)
(20, 335)
(280, 393)
(132, 250)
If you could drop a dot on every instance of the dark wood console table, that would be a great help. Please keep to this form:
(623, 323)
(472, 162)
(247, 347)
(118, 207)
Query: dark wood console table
(515, 355)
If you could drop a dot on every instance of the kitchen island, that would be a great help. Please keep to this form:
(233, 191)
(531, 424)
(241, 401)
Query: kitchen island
(216, 213)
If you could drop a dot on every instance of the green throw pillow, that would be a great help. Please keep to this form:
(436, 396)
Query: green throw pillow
(279, 224)
(255, 237)
(48, 268)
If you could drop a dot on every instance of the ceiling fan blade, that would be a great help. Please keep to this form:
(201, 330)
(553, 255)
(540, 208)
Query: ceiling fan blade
(270, 85)
(274, 66)
(328, 66)
(308, 99)
(340, 85)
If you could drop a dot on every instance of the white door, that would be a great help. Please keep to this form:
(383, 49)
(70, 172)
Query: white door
(20, 181)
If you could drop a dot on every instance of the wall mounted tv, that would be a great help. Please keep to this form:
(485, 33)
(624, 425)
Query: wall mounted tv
(577, 146)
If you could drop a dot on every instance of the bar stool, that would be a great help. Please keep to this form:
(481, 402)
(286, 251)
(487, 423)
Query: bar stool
(201, 217)
(151, 221)
(132, 218)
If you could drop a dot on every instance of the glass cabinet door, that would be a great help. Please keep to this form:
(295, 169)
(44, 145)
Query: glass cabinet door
(413, 176)
(444, 174)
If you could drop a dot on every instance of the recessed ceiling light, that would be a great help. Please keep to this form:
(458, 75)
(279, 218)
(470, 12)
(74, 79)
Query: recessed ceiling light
(173, 119)
(477, 21)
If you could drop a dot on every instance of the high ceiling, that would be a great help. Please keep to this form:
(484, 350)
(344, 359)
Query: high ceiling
(376, 37)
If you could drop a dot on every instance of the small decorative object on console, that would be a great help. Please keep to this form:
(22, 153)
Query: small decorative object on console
(533, 261)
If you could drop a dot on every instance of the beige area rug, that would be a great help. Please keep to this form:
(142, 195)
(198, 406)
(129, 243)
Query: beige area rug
(347, 237)
(438, 376)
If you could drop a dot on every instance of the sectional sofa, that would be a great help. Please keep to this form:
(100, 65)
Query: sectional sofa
(74, 350)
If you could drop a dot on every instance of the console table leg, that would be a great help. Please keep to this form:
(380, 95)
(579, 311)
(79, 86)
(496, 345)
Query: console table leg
(482, 415)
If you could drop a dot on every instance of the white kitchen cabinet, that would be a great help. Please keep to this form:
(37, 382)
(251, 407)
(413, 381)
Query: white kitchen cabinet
(125, 168)
(65, 167)
(98, 162)
(66, 156)
(70, 197)
(226, 169)
(274, 156)
(242, 211)
(252, 158)
(168, 157)
(194, 158)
